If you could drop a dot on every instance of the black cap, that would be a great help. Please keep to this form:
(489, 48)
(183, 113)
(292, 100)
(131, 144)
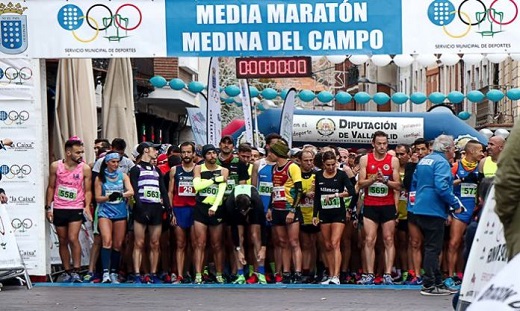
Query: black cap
(208, 148)
(147, 144)
(227, 137)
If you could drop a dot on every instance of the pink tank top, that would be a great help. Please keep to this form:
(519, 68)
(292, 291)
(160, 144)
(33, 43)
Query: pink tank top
(69, 192)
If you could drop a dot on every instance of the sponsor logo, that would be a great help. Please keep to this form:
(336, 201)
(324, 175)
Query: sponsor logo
(325, 126)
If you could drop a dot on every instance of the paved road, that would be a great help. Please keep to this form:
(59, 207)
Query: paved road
(101, 298)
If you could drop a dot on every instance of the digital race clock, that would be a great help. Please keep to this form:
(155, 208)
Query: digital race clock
(273, 67)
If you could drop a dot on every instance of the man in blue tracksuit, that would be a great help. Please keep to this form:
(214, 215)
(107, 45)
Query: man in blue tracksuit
(434, 200)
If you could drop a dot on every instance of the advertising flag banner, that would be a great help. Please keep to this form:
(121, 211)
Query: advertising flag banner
(214, 125)
(198, 120)
(287, 120)
(246, 107)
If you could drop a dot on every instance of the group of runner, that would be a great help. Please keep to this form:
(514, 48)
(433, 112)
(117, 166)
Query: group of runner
(279, 215)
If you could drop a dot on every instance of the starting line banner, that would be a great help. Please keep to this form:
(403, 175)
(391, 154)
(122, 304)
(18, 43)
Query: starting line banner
(208, 28)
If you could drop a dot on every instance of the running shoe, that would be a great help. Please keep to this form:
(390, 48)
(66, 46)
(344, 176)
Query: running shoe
(106, 278)
(220, 279)
(186, 279)
(416, 280)
(434, 291)
(154, 279)
(326, 282)
(177, 280)
(297, 278)
(387, 279)
(137, 279)
(261, 278)
(368, 280)
(130, 278)
(286, 278)
(198, 280)
(75, 278)
(334, 280)
(378, 280)
(88, 277)
(278, 278)
(450, 285)
(253, 279)
(166, 278)
(147, 279)
(65, 277)
(114, 278)
(241, 279)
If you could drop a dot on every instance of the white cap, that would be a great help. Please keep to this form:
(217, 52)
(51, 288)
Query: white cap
(135, 153)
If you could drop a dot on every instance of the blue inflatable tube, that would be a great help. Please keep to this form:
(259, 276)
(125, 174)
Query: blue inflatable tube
(355, 128)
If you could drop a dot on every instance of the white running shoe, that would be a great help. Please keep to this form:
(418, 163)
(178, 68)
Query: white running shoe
(114, 278)
(106, 278)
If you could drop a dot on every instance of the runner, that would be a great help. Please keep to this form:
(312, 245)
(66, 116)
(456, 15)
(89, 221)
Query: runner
(284, 211)
(182, 195)
(421, 148)
(151, 198)
(403, 153)
(379, 175)
(69, 197)
(245, 213)
(308, 231)
(488, 165)
(332, 185)
(112, 189)
(210, 185)
(465, 184)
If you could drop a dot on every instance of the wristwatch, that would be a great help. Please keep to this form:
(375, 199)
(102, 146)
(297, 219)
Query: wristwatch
(48, 207)
(238, 248)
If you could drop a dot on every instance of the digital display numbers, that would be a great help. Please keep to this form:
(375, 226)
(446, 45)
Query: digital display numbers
(273, 67)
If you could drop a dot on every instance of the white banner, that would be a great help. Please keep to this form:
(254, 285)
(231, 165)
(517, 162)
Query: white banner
(83, 29)
(359, 130)
(23, 165)
(502, 292)
(8, 248)
(460, 26)
(214, 120)
(488, 253)
(246, 107)
(286, 121)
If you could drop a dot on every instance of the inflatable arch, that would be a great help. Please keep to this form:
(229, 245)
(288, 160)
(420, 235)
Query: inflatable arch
(355, 128)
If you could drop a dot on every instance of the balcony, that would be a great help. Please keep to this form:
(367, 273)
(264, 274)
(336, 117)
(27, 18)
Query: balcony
(493, 115)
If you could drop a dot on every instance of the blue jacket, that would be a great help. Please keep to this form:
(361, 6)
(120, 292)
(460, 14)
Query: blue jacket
(433, 183)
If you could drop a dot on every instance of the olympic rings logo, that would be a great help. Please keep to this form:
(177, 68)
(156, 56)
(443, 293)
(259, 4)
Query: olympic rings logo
(443, 12)
(13, 74)
(72, 18)
(15, 171)
(21, 225)
(14, 117)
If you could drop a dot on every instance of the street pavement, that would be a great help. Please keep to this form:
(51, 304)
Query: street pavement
(193, 298)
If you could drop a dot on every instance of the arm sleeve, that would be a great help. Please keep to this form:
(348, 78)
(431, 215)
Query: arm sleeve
(134, 176)
(409, 169)
(243, 174)
(199, 183)
(507, 178)
(348, 185)
(258, 208)
(296, 176)
(164, 190)
(317, 196)
(220, 195)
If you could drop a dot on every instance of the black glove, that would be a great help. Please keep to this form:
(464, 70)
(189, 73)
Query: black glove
(114, 196)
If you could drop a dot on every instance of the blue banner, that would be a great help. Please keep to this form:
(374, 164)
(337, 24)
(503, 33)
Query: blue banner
(276, 27)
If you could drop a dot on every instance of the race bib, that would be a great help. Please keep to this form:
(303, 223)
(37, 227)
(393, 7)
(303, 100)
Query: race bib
(331, 203)
(209, 191)
(279, 193)
(306, 202)
(468, 190)
(378, 189)
(403, 196)
(152, 194)
(230, 186)
(186, 189)
(411, 197)
(67, 194)
(265, 188)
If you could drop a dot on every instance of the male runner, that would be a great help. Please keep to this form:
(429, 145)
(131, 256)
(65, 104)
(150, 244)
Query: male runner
(69, 197)
(379, 175)
(182, 195)
(210, 185)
